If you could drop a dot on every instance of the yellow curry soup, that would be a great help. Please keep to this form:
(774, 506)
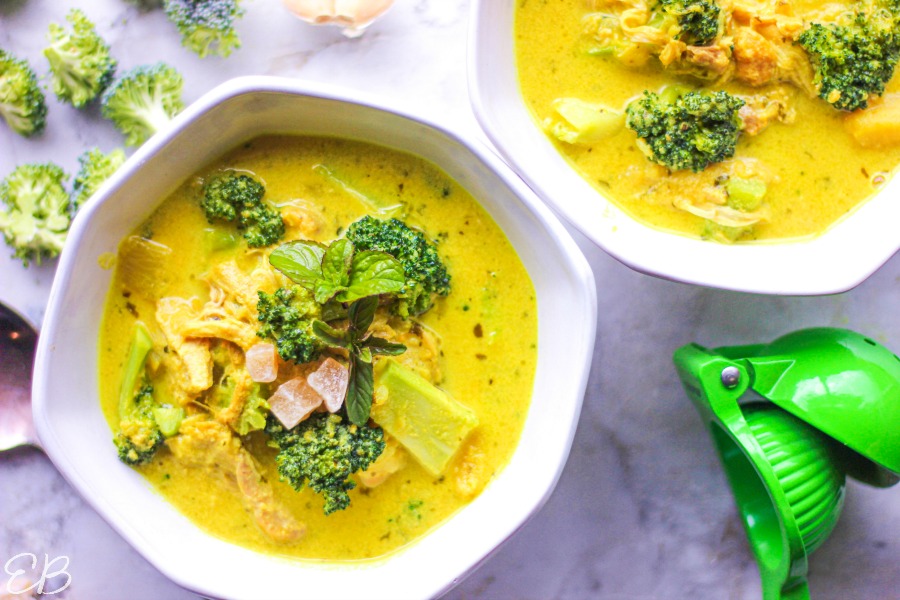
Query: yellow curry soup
(815, 171)
(485, 330)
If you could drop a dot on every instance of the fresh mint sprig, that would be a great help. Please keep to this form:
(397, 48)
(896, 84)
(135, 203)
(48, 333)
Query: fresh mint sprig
(362, 347)
(338, 272)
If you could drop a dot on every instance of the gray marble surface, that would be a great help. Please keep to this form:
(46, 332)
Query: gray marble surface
(642, 509)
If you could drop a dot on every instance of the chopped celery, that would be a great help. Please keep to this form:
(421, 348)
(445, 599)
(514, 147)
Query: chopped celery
(255, 411)
(581, 122)
(218, 238)
(169, 419)
(424, 419)
(375, 205)
(745, 194)
(671, 93)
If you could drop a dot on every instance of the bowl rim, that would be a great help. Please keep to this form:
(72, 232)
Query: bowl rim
(576, 264)
(815, 265)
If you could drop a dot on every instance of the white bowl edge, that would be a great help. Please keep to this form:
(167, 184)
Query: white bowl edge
(833, 262)
(119, 504)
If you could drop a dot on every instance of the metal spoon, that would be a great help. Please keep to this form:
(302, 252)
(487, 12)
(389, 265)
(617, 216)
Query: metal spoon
(18, 341)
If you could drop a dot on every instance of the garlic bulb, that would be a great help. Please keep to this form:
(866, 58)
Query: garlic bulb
(353, 15)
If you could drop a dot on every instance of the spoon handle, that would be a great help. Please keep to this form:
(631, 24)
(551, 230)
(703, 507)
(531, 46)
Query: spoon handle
(16, 423)
(18, 340)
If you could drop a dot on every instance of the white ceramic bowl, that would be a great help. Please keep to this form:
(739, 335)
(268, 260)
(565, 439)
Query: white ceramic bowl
(832, 262)
(78, 439)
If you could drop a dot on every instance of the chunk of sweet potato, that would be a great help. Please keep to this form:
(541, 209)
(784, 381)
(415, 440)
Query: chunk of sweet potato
(877, 126)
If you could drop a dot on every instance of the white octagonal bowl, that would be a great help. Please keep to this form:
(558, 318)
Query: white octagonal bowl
(66, 399)
(832, 262)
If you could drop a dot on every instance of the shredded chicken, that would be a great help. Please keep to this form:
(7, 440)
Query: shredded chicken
(422, 345)
(233, 290)
(762, 109)
(211, 446)
(222, 327)
(756, 45)
(195, 367)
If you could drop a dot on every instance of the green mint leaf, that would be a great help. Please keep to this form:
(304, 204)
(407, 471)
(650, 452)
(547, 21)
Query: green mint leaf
(381, 346)
(333, 311)
(360, 390)
(373, 273)
(361, 314)
(330, 335)
(337, 261)
(300, 261)
(364, 354)
(325, 291)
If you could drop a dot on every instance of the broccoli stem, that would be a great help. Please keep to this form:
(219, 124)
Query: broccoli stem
(429, 423)
(745, 194)
(141, 344)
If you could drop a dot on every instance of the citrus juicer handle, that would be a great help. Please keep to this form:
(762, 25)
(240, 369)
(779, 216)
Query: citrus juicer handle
(715, 383)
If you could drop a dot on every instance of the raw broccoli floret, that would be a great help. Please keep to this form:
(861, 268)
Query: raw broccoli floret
(323, 452)
(698, 20)
(286, 317)
(855, 57)
(426, 275)
(22, 103)
(691, 131)
(80, 63)
(95, 167)
(35, 218)
(206, 26)
(143, 100)
(239, 198)
(144, 423)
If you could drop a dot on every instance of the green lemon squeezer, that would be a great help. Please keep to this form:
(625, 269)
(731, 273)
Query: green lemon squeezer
(790, 421)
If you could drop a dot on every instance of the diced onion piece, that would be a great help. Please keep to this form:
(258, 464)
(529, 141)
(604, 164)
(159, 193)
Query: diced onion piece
(330, 381)
(144, 266)
(720, 214)
(262, 363)
(293, 401)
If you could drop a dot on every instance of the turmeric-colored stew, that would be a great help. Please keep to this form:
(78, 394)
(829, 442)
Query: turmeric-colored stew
(318, 348)
(731, 120)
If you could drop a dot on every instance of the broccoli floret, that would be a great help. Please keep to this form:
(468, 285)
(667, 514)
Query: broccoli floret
(80, 63)
(426, 275)
(237, 197)
(36, 217)
(286, 317)
(95, 167)
(22, 103)
(698, 20)
(855, 57)
(690, 132)
(139, 436)
(143, 100)
(144, 423)
(253, 415)
(206, 26)
(323, 452)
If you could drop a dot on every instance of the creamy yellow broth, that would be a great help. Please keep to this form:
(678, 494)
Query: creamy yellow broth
(487, 325)
(820, 173)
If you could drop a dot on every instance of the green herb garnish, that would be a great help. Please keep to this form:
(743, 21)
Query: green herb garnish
(362, 347)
